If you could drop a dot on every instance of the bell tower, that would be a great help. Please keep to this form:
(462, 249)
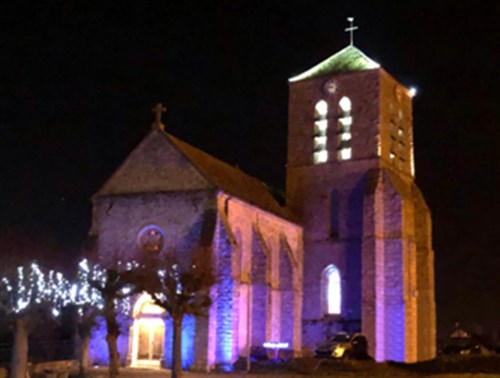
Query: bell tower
(368, 258)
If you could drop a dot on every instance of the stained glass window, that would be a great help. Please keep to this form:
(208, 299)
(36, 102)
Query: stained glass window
(151, 239)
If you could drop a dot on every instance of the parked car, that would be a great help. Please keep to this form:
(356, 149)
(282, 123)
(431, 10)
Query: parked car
(344, 346)
(465, 346)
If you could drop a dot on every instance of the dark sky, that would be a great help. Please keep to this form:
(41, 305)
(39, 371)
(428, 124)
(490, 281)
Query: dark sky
(78, 80)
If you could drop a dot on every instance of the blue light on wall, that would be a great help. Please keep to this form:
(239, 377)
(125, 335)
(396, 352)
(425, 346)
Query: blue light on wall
(98, 347)
(187, 342)
(395, 307)
(224, 303)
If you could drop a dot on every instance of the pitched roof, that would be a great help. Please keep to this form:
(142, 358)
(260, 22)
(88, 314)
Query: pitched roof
(162, 162)
(155, 165)
(232, 180)
(347, 59)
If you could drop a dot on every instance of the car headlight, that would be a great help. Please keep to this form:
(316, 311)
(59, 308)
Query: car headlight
(338, 351)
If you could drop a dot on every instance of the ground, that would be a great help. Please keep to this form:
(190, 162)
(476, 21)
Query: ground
(103, 373)
(465, 367)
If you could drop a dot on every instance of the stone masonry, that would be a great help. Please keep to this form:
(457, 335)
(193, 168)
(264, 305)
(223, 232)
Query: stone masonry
(364, 214)
(353, 209)
(196, 200)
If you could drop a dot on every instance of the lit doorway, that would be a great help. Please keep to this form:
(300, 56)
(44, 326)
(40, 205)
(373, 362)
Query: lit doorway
(148, 332)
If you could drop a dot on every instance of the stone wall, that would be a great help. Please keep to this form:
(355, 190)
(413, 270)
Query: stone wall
(261, 307)
(347, 182)
(361, 87)
(328, 197)
(362, 215)
(426, 307)
(267, 255)
(395, 113)
(187, 220)
(98, 347)
(397, 319)
(286, 297)
(222, 320)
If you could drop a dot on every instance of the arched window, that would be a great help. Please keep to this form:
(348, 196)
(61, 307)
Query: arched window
(331, 286)
(398, 145)
(320, 127)
(344, 150)
(401, 141)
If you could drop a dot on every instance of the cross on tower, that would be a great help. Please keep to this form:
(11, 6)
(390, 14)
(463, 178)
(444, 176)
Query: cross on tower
(158, 110)
(351, 29)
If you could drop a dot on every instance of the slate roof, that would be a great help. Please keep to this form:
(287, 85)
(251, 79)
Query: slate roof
(232, 180)
(348, 59)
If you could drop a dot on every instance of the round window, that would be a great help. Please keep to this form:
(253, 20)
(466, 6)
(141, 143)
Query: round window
(151, 239)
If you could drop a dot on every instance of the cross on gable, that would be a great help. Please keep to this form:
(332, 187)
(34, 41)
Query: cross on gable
(351, 29)
(158, 110)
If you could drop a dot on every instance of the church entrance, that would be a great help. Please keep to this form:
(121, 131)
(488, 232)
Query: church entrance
(147, 334)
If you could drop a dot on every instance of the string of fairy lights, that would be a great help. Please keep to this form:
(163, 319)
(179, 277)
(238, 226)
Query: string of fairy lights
(31, 287)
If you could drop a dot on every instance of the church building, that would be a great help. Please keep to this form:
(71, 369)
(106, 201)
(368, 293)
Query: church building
(351, 250)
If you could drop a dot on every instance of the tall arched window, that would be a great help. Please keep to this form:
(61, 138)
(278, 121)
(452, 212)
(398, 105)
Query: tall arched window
(344, 149)
(320, 127)
(331, 290)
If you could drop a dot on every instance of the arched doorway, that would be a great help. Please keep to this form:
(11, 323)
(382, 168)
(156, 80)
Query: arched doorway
(148, 332)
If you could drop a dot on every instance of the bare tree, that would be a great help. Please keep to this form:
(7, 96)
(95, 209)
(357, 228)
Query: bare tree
(181, 288)
(27, 294)
(88, 303)
(29, 291)
(115, 286)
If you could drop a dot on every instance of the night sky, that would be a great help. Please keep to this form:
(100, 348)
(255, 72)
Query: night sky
(79, 78)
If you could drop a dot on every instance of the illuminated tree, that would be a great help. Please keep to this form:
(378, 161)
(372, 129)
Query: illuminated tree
(181, 288)
(115, 286)
(88, 303)
(97, 291)
(26, 294)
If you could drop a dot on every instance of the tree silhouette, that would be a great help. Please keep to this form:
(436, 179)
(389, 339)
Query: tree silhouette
(27, 295)
(181, 287)
(115, 286)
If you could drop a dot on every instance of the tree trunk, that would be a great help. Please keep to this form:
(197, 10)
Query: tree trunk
(177, 357)
(19, 363)
(112, 336)
(84, 353)
(114, 357)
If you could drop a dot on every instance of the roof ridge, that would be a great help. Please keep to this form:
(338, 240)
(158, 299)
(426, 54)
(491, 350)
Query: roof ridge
(229, 179)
